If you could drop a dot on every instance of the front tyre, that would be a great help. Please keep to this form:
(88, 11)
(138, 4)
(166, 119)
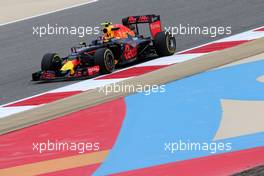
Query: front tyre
(51, 62)
(104, 57)
(165, 44)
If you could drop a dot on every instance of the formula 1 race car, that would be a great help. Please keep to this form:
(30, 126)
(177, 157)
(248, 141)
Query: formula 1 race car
(120, 44)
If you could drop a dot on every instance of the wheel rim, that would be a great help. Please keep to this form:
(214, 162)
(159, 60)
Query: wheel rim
(109, 60)
(171, 44)
(56, 62)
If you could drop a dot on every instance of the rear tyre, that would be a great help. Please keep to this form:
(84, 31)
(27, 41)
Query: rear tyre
(51, 61)
(165, 44)
(104, 57)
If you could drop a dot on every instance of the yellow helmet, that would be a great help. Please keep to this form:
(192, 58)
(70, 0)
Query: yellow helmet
(107, 30)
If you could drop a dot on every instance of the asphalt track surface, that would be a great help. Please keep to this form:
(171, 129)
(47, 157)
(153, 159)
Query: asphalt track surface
(21, 51)
(258, 171)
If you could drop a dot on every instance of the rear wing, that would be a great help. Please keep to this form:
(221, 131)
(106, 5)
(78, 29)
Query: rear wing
(153, 21)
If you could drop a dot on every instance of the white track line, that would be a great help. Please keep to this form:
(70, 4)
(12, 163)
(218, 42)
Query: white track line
(142, 64)
(6, 111)
(46, 13)
(92, 83)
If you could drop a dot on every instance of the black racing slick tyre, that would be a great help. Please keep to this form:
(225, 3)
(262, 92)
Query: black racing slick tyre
(165, 44)
(51, 62)
(104, 57)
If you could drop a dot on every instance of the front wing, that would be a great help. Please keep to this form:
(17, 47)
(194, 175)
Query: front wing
(80, 73)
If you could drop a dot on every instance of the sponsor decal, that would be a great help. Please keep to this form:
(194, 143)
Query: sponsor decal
(155, 28)
(143, 19)
(132, 20)
(130, 52)
(93, 70)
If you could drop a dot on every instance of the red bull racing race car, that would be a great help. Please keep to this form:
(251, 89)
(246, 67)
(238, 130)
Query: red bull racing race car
(120, 44)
